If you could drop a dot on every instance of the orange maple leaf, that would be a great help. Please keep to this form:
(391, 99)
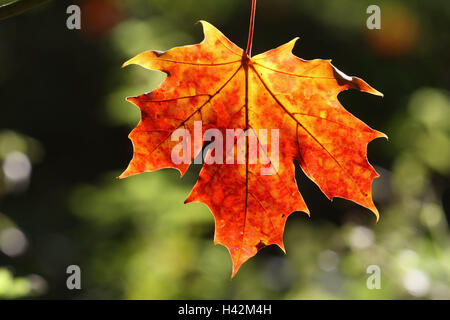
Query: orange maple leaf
(219, 84)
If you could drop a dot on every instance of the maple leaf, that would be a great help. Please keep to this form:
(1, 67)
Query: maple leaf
(219, 84)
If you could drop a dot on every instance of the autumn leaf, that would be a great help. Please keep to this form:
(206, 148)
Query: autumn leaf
(219, 84)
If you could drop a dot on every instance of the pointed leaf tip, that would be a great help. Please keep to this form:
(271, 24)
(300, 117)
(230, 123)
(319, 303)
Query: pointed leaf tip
(293, 42)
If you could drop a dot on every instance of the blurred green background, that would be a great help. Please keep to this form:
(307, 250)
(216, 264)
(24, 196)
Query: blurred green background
(63, 140)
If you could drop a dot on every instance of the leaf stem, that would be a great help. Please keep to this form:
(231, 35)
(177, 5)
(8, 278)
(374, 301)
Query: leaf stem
(248, 51)
(17, 7)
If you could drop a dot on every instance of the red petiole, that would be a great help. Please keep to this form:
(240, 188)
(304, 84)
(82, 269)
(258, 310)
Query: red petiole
(248, 51)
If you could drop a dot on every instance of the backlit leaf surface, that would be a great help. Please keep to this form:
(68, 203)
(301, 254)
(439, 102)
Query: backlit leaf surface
(217, 83)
